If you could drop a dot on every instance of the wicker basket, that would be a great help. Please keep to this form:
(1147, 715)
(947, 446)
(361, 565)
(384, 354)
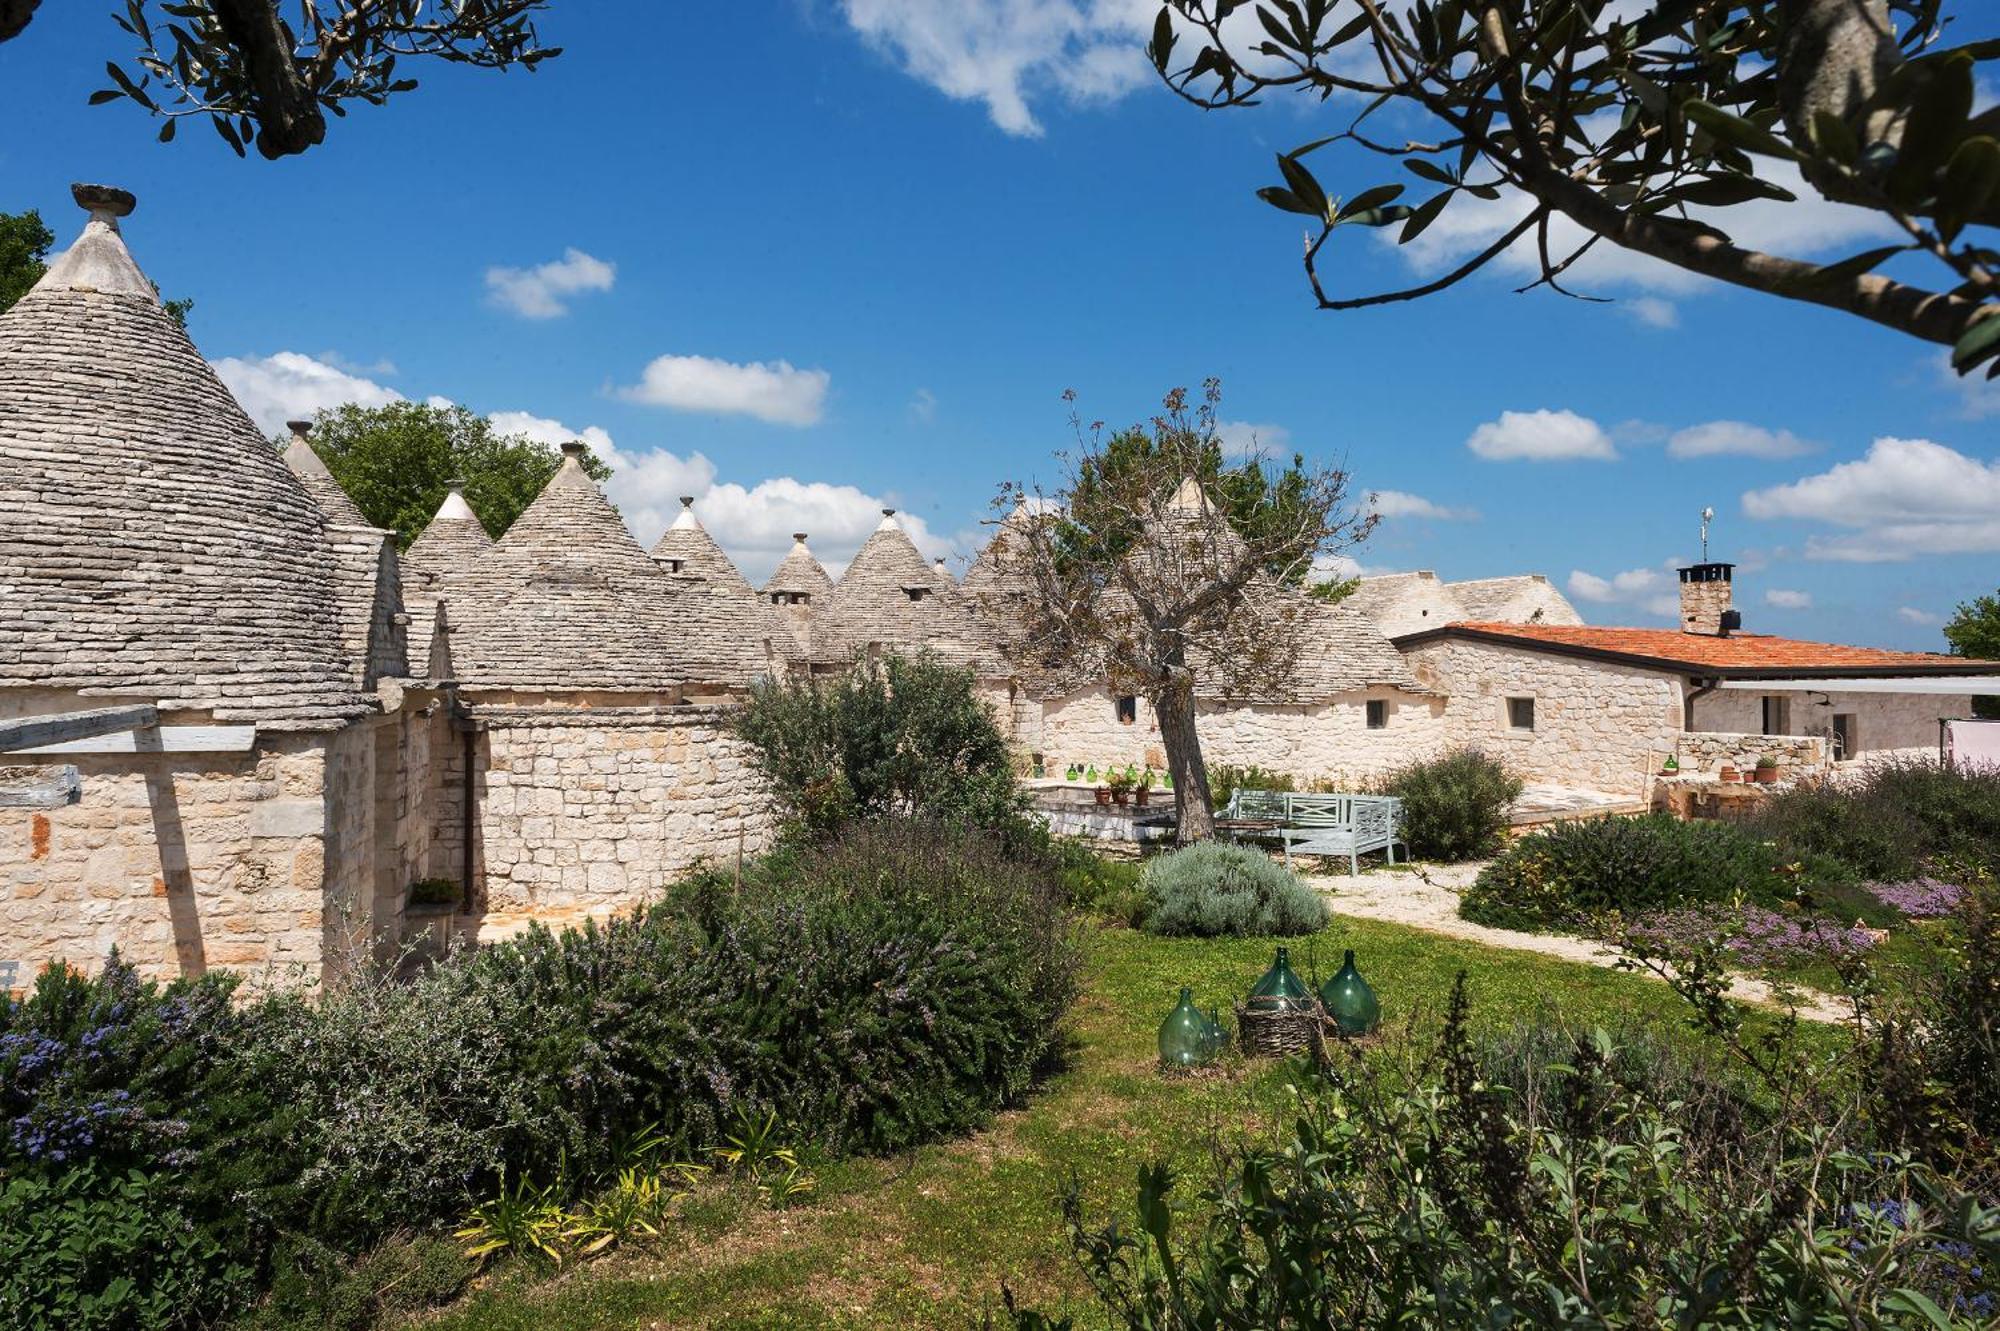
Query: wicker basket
(1264, 1033)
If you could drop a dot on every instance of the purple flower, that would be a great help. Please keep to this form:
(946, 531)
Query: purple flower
(1919, 898)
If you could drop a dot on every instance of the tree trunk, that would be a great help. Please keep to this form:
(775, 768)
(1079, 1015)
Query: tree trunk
(1173, 707)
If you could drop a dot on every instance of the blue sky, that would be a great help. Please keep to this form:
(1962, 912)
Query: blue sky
(805, 259)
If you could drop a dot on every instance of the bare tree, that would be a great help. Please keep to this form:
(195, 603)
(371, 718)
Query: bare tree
(1163, 570)
(1642, 124)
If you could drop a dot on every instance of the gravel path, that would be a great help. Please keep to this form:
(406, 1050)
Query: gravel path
(1426, 897)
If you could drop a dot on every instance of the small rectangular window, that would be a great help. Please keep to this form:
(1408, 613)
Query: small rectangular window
(1128, 710)
(1378, 714)
(1521, 713)
(1843, 735)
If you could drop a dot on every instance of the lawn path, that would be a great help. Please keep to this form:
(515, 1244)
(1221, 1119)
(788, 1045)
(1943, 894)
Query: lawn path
(1426, 897)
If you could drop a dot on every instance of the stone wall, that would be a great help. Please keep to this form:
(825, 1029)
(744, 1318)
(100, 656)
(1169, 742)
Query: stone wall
(1707, 751)
(586, 812)
(1597, 725)
(183, 862)
(1884, 723)
(1329, 741)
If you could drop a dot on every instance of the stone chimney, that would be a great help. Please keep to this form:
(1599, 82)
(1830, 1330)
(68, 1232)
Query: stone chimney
(1705, 599)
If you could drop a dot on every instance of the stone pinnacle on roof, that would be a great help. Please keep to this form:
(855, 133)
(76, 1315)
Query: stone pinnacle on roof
(156, 543)
(799, 573)
(306, 464)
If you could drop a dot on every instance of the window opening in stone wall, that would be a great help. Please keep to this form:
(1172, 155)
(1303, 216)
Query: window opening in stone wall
(1843, 735)
(1378, 714)
(1777, 714)
(1128, 709)
(1521, 713)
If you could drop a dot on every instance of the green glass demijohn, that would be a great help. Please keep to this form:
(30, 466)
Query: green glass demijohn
(1349, 999)
(1218, 1034)
(1184, 1036)
(1091, 775)
(1280, 988)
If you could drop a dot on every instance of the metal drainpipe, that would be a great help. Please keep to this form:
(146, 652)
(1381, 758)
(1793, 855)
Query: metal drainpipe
(1687, 703)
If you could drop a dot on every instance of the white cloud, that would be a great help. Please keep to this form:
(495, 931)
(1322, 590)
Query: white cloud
(1788, 600)
(1647, 589)
(923, 406)
(289, 386)
(1909, 614)
(1541, 436)
(1007, 53)
(1978, 397)
(1653, 312)
(1245, 439)
(772, 391)
(545, 431)
(1401, 504)
(1905, 497)
(1735, 437)
(540, 292)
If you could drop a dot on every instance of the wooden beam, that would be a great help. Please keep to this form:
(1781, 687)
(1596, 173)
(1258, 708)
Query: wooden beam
(158, 739)
(26, 733)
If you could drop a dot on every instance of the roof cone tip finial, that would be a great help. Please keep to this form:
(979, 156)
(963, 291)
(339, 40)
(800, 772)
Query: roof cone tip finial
(299, 429)
(799, 537)
(106, 201)
(687, 501)
(888, 512)
(456, 485)
(575, 448)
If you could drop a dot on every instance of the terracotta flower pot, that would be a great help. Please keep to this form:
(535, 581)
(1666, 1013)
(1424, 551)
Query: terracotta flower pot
(1729, 775)
(1143, 798)
(1121, 797)
(1767, 776)
(1104, 794)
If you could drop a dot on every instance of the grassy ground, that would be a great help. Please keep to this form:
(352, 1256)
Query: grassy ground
(928, 1238)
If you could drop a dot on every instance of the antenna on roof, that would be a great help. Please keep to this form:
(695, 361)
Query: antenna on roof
(1707, 516)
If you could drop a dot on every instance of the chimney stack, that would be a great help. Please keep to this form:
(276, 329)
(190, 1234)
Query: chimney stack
(1705, 600)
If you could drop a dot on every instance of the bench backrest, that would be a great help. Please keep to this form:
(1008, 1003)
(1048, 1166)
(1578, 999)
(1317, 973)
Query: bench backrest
(1309, 809)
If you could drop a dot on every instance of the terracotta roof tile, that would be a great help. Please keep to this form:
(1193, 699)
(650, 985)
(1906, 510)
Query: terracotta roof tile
(1739, 653)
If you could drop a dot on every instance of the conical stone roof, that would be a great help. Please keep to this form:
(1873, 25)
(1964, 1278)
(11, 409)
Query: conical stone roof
(568, 600)
(687, 554)
(799, 573)
(447, 553)
(890, 598)
(152, 542)
(338, 506)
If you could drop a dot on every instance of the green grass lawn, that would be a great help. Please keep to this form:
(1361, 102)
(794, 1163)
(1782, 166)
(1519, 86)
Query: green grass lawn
(927, 1238)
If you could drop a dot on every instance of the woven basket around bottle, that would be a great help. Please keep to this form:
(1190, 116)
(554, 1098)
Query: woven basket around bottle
(1281, 1033)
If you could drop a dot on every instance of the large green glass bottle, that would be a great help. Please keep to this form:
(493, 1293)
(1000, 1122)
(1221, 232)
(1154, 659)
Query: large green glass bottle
(1184, 1037)
(1350, 1001)
(1280, 989)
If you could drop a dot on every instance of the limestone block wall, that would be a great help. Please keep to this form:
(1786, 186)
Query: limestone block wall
(589, 811)
(1707, 751)
(1329, 741)
(1884, 723)
(183, 862)
(1597, 724)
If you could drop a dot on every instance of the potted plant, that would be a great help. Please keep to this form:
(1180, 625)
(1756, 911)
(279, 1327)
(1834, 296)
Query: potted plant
(1767, 769)
(1143, 788)
(1729, 774)
(1120, 782)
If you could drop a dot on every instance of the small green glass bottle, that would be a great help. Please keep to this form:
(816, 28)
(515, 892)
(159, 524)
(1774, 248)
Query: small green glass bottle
(1217, 1031)
(1350, 1001)
(1280, 989)
(1184, 1038)
(1091, 775)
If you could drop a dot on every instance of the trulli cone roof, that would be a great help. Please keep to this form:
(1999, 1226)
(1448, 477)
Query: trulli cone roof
(686, 547)
(568, 600)
(799, 572)
(334, 502)
(447, 553)
(689, 556)
(152, 542)
(873, 605)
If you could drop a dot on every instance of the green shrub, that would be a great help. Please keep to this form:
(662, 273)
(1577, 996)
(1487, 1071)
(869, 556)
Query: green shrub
(321, 1288)
(1454, 807)
(1225, 779)
(903, 737)
(1098, 885)
(87, 1249)
(1570, 871)
(1211, 888)
(1586, 1189)
(1890, 822)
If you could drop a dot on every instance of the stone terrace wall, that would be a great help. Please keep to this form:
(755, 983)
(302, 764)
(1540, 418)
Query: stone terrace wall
(1330, 741)
(589, 811)
(1707, 751)
(1597, 724)
(184, 862)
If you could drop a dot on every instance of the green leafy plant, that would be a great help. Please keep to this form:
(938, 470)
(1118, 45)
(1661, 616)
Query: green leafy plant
(1225, 779)
(1212, 888)
(525, 1220)
(433, 892)
(1455, 807)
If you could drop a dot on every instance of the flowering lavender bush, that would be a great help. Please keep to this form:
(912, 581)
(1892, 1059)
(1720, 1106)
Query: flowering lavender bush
(1753, 936)
(1919, 898)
